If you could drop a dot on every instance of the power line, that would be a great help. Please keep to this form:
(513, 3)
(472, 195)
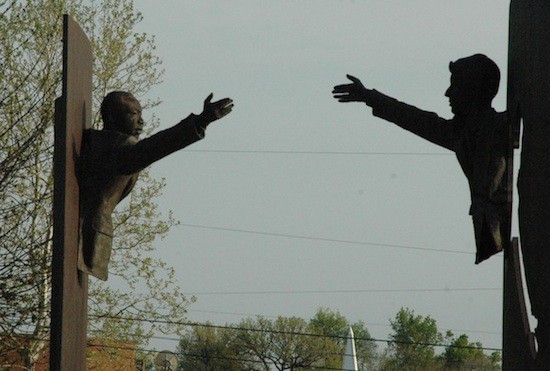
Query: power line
(366, 323)
(327, 239)
(214, 356)
(91, 343)
(237, 328)
(367, 153)
(181, 352)
(276, 152)
(344, 337)
(179, 339)
(210, 356)
(341, 291)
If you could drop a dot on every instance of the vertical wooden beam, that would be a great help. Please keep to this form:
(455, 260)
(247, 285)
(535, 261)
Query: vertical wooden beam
(70, 286)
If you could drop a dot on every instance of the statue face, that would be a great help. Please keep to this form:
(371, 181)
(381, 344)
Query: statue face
(129, 120)
(461, 95)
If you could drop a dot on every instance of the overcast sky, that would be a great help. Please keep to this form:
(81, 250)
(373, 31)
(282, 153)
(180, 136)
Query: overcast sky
(294, 192)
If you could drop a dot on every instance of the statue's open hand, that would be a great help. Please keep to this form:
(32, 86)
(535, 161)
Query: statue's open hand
(355, 92)
(215, 110)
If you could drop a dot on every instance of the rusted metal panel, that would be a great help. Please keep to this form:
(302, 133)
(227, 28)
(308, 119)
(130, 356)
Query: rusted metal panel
(70, 286)
(529, 105)
(518, 344)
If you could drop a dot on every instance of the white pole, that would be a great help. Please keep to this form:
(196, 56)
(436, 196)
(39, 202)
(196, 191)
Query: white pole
(350, 357)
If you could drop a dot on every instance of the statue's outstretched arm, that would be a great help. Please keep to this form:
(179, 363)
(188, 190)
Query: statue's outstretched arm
(427, 125)
(135, 157)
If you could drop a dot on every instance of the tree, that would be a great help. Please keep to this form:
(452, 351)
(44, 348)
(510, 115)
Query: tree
(413, 340)
(208, 348)
(280, 343)
(30, 80)
(288, 343)
(336, 327)
(260, 343)
(460, 354)
(366, 349)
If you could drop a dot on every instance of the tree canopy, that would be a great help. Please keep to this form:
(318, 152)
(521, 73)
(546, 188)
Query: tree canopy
(142, 285)
(287, 343)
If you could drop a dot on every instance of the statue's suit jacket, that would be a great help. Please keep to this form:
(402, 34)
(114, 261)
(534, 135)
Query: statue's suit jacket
(111, 162)
(481, 145)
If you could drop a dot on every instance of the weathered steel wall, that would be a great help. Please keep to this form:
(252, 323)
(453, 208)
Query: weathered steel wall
(529, 103)
(518, 343)
(70, 286)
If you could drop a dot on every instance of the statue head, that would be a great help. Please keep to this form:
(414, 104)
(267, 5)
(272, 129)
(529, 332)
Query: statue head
(121, 111)
(474, 84)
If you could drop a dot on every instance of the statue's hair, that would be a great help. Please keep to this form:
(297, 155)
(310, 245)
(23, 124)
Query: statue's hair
(482, 68)
(111, 105)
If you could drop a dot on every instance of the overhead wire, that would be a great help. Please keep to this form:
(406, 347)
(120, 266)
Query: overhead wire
(320, 152)
(366, 323)
(95, 344)
(238, 328)
(182, 352)
(341, 291)
(291, 152)
(351, 242)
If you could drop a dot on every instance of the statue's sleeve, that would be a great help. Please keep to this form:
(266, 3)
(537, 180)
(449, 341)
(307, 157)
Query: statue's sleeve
(427, 125)
(134, 157)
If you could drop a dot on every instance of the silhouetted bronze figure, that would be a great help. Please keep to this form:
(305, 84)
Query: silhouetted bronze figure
(477, 134)
(112, 159)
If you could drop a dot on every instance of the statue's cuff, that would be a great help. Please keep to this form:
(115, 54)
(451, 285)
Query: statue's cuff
(200, 131)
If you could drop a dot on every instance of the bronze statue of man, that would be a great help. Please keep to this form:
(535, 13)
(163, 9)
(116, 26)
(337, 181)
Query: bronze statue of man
(477, 134)
(112, 159)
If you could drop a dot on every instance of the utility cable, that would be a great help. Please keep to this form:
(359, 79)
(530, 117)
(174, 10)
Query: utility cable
(341, 291)
(280, 152)
(237, 328)
(320, 152)
(366, 323)
(325, 239)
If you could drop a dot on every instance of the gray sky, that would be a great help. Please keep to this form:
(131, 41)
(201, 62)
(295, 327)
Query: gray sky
(296, 192)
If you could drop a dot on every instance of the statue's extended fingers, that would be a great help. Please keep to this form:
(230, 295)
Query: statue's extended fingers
(223, 102)
(338, 96)
(354, 79)
(209, 98)
(347, 99)
(229, 106)
(222, 107)
(342, 88)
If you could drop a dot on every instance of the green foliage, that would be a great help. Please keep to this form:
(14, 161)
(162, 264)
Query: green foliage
(412, 340)
(278, 343)
(286, 343)
(208, 348)
(332, 323)
(30, 81)
(460, 354)
(366, 350)
(414, 343)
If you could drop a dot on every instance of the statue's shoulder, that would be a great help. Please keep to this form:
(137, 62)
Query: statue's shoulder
(108, 139)
(500, 120)
(502, 116)
(101, 146)
(494, 119)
